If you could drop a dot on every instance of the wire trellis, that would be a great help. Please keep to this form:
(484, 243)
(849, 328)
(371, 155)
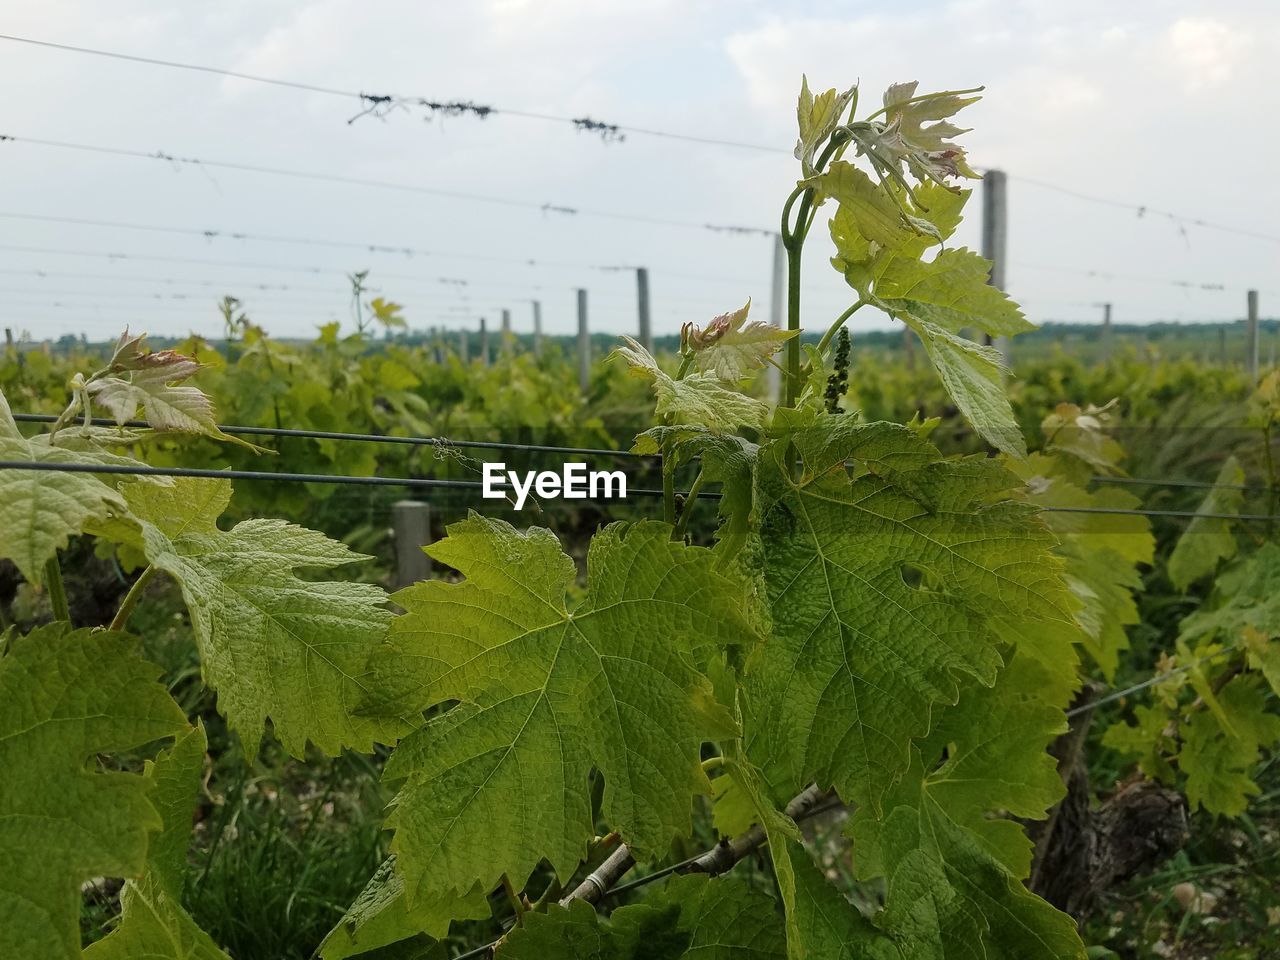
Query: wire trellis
(1156, 680)
(432, 482)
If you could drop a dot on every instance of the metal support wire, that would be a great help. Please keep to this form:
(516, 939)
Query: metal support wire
(443, 443)
(409, 482)
(1193, 484)
(1150, 682)
(1180, 514)
(430, 482)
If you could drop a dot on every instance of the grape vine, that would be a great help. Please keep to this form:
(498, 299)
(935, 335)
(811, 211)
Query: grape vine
(876, 626)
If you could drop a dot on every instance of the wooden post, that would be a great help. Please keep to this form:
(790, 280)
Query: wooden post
(1106, 333)
(464, 348)
(995, 235)
(1222, 346)
(505, 338)
(777, 296)
(537, 328)
(584, 344)
(484, 342)
(642, 306)
(411, 522)
(1251, 335)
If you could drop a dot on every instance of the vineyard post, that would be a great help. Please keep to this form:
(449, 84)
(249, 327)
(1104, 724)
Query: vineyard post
(484, 342)
(505, 345)
(642, 306)
(463, 348)
(776, 294)
(411, 523)
(537, 328)
(995, 235)
(584, 343)
(1106, 333)
(1251, 335)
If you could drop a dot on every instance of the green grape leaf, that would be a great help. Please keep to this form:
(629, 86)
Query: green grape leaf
(818, 118)
(911, 112)
(863, 263)
(972, 374)
(272, 645)
(1147, 740)
(696, 399)
(726, 918)
(577, 932)
(1082, 435)
(732, 811)
(1128, 537)
(912, 137)
(955, 287)
(153, 924)
(65, 697)
(871, 208)
(995, 743)
(1052, 647)
(1105, 583)
(1219, 752)
(880, 233)
(1207, 540)
(156, 383)
(1102, 551)
(819, 921)
(884, 586)
(949, 893)
(500, 781)
(42, 510)
(381, 916)
(1246, 596)
(1262, 652)
(730, 348)
(726, 459)
(691, 918)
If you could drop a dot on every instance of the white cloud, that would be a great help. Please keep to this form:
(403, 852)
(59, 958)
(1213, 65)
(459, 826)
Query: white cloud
(1208, 50)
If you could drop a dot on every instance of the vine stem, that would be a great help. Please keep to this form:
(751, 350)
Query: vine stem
(668, 468)
(716, 860)
(514, 898)
(793, 243)
(121, 619)
(691, 499)
(837, 324)
(1273, 483)
(668, 486)
(57, 591)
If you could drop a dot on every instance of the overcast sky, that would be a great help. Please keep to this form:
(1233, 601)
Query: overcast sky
(1166, 104)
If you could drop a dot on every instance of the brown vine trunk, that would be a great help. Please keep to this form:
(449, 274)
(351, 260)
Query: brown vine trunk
(1084, 850)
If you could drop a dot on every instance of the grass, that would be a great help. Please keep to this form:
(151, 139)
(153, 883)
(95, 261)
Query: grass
(283, 851)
